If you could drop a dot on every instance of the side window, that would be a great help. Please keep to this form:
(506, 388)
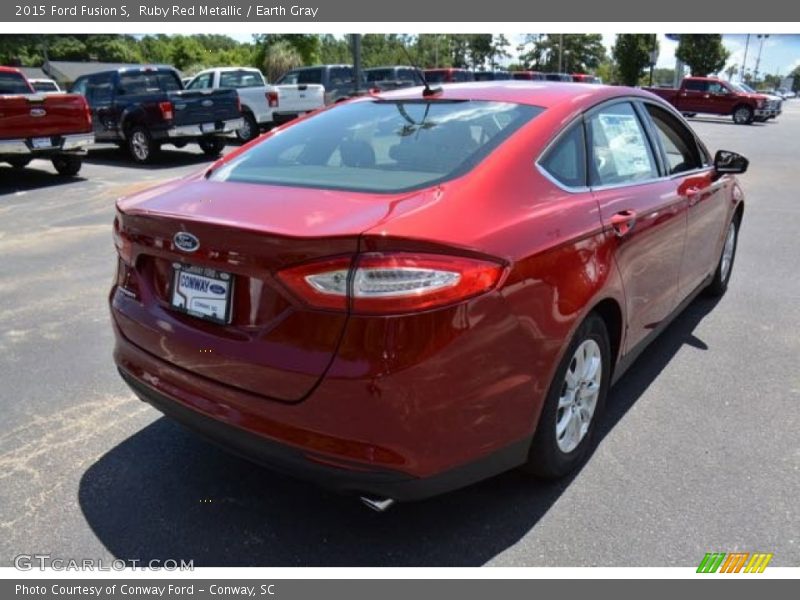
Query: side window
(565, 161)
(696, 85)
(289, 78)
(200, 82)
(100, 88)
(717, 88)
(79, 87)
(678, 142)
(619, 150)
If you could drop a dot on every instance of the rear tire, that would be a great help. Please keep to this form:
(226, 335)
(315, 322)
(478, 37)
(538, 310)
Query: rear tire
(141, 146)
(249, 130)
(67, 166)
(575, 401)
(19, 163)
(211, 146)
(743, 115)
(719, 283)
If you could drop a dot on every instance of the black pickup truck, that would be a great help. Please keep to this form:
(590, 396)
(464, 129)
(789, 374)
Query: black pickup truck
(142, 108)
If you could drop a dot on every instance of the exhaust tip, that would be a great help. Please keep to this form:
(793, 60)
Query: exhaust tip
(378, 504)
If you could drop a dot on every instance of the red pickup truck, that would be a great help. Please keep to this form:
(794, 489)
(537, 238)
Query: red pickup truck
(57, 127)
(714, 96)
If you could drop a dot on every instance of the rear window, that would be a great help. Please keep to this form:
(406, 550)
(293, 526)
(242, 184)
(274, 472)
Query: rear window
(435, 76)
(148, 82)
(240, 79)
(45, 86)
(380, 146)
(13, 83)
(379, 74)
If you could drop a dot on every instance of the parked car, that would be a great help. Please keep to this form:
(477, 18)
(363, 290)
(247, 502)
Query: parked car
(392, 77)
(56, 127)
(492, 75)
(384, 298)
(448, 75)
(585, 78)
(142, 108)
(713, 96)
(263, 105)
(45, 85)
(786, 94)
(527, 75)
(337, 80)
(558, 77)
(774, 101)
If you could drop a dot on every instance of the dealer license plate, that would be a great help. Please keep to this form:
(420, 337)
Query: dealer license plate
(208, 127)
(203, 293)
(42, 142)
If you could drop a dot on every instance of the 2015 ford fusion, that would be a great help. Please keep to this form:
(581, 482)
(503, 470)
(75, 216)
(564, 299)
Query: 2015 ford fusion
(411, 292)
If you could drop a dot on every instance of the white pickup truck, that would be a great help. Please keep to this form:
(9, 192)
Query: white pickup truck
(263, 105)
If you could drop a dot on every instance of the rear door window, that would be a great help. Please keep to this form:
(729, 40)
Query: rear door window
(620, 151)
(101, 89)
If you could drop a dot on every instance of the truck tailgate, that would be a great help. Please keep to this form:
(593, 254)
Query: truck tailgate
(40, 115)
(300, 98)
(205, 106)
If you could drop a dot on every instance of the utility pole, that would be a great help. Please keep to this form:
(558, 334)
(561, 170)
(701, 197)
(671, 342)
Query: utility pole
(653, 59)
(560, 52)
(761, 37)
(355, 44)
(744, 62)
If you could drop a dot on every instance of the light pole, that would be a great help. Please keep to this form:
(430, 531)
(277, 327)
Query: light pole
(560, 52)
(761, 37)
(744, 62)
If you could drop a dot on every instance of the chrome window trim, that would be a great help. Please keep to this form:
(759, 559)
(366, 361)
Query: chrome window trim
(582, 117)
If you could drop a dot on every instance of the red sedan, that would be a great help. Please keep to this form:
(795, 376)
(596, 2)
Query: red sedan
(410, 292)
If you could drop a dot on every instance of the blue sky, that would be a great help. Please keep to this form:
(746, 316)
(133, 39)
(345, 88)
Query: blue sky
(780, 53)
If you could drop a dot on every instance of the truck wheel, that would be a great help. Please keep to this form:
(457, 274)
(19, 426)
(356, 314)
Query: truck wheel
(211, 146)
(67, 166)
(249, 129)
(743, 115)
(19, 163)
(141, 145)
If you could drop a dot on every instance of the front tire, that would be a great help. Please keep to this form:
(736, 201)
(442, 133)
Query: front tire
(743, 115)
(211, 146)
(576, 399)
(67, 166)
(719, 283)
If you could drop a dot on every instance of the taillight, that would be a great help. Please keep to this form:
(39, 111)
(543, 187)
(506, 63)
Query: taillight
(122, 243)
(272, 99)
(391, 283)
(166, 110)
(87, 110)
(238, 103)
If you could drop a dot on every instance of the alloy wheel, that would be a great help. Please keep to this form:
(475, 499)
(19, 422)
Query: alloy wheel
(579, 393)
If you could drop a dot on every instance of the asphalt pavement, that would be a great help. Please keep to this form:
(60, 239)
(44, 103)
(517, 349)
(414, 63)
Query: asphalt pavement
(699, 452)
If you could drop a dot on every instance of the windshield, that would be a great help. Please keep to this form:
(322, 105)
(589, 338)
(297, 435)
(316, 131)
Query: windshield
(380, 146)
(741, 87)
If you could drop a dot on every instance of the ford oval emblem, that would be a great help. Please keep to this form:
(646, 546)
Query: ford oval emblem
(216, 288)
(185, 241)
(38, 112)
(207, 103)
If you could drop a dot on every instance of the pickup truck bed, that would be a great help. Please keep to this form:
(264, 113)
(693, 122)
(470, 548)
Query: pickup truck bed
(57, 127)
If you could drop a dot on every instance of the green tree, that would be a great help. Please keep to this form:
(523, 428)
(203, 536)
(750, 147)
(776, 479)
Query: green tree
(796, 79)
(703, 53)
(500, 46)
(281, 57)
(575, 52)
(631, 52)
(732, 71)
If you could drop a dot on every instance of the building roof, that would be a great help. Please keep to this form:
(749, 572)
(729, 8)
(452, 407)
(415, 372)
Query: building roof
(63, 70)
(33, 73)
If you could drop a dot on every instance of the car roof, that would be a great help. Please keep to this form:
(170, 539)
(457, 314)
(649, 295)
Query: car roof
(10, 70)
(545, 94)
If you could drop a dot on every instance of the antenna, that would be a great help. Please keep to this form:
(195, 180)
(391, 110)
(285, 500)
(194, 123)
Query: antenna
(428, 91)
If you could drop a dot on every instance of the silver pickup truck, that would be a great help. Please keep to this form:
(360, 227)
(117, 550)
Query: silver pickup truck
(263, 105)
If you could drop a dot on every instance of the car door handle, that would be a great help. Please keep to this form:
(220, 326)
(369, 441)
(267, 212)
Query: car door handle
(623, 221)
(693, 194)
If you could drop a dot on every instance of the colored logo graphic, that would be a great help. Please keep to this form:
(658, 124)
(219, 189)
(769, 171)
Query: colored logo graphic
(736, 562)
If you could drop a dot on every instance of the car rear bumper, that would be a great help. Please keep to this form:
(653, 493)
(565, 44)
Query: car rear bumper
(74, 143)
(197, 130)
(453, 418)
(299, 463)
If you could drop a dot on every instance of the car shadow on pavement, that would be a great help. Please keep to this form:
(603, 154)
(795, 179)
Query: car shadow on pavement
(13, 180)
(166, 494)
(168, 158)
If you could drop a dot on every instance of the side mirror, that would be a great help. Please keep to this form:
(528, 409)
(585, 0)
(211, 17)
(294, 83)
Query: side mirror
(726, 161)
